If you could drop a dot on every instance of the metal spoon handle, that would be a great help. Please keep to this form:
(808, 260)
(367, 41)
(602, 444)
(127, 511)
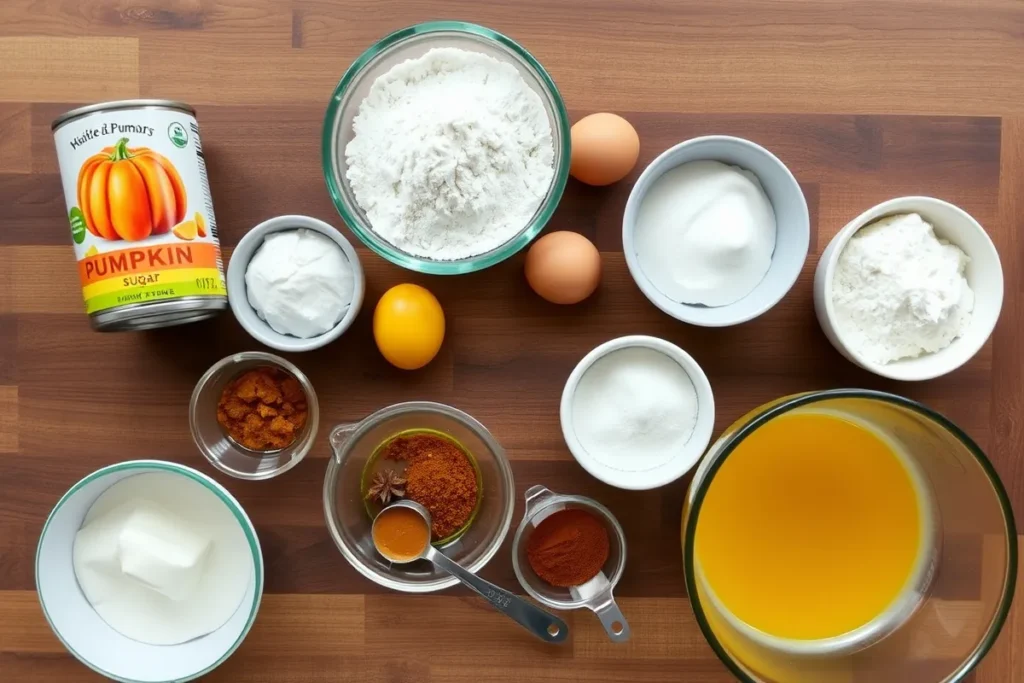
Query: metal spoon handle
(547, 627)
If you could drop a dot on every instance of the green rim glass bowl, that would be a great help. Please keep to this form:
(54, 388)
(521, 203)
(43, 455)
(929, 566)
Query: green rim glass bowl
(792, 238)
(984, 274)
(81, 630)
(411, 43)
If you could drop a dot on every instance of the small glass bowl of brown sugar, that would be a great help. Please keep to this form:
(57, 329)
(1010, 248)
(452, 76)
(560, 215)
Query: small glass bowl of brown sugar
(254, 415)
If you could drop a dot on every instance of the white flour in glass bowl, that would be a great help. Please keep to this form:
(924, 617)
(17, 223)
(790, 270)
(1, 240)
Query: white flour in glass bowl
(452, 154)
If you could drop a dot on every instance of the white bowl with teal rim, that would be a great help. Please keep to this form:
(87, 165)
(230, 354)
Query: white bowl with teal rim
(81, 630)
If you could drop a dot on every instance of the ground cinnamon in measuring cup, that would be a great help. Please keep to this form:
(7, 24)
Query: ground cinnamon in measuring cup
(439, 477)
(568, 548)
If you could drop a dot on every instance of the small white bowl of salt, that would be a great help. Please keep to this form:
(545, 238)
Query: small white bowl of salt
(149, 571)
(637, 412)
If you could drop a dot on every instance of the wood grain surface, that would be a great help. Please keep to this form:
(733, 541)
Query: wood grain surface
(863, 100)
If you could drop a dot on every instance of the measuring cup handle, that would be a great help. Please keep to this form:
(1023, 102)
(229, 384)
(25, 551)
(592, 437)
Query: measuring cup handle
(547, 627)
(535, 495)
(615, 624)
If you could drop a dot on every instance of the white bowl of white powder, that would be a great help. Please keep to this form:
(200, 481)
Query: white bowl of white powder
(910, 289)
(716, 231)
(446, 147)
(637, 412)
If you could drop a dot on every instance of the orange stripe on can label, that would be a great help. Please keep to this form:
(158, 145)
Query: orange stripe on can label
(147, 259)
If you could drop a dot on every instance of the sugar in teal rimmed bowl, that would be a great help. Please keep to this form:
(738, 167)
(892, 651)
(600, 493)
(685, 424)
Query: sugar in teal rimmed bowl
(87, 636)
(411, 43)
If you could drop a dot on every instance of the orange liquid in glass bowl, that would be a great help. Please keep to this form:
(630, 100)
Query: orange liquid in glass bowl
(813, 528)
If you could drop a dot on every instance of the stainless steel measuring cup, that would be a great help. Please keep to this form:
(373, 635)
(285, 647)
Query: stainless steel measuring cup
(596, 594)
(547, 627)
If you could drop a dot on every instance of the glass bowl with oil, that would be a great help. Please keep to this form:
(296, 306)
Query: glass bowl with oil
(848, 535)
(360, 451)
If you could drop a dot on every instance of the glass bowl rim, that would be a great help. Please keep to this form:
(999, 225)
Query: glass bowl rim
(787, 404)
(471, 264)
(215, 487)
(361, 427)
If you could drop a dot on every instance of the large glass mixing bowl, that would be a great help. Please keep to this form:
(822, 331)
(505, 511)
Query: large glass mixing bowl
(411, 43)
(963, 602)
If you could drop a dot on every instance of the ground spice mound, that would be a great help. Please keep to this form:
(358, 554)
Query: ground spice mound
(568, 548)
(439, 477)
(263, 409)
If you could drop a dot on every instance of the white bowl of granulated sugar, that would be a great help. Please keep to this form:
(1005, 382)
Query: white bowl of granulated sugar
(910, 289)
(637, 412)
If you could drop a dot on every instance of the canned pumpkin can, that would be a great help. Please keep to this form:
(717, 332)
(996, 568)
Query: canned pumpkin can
(140, 213)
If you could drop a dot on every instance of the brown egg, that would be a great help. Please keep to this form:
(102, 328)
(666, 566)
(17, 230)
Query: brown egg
(604, 149)
(563, 267)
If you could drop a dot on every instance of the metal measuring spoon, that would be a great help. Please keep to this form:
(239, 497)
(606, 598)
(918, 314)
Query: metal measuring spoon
(547, 627)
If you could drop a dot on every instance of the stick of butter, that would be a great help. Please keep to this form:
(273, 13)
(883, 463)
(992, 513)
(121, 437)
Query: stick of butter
(157, 549)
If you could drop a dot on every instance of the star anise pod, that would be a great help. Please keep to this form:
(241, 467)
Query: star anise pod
(385, 486)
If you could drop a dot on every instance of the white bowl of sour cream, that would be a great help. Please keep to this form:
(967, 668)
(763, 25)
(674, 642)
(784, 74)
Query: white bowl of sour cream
(295, 283)
(716, 231)
(183, 565)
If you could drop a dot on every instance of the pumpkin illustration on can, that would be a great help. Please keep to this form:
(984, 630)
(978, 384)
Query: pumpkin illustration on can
(140, 214)
(129, 193)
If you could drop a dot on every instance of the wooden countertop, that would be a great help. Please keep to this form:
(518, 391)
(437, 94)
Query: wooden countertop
(864, 101)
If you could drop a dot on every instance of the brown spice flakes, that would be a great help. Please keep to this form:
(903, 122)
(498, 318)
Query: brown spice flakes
(263, 409)
(439, 477)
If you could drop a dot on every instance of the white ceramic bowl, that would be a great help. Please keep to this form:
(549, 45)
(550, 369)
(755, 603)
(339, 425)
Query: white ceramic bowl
(666, 472)
(793, 227)
(984, 274)
(87, 636)
(239, 300)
